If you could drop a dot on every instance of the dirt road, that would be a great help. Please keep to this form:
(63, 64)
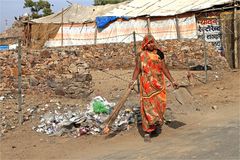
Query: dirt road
(207, 132)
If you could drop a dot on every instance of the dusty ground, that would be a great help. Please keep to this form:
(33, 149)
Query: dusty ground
(209, 130)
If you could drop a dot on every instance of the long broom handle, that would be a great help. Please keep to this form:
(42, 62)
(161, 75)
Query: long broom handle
(118, 107)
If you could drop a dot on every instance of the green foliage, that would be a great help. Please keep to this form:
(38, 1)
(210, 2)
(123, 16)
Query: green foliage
(38, 7)
(103, 2)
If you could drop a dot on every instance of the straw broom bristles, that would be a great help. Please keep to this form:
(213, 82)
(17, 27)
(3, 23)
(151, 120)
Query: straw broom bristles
(116, 110)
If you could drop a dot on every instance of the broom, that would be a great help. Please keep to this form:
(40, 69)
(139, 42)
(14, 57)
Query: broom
(108, 122)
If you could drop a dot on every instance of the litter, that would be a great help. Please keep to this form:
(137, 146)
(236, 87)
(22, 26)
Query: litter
(78, 123)
(2, 98)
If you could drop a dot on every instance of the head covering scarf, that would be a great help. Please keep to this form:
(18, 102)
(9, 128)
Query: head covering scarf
(147, 39)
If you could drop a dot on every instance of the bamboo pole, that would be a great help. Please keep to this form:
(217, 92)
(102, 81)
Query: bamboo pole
(20, 114)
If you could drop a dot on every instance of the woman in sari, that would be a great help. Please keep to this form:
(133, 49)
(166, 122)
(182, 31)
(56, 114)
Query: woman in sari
(151, 67)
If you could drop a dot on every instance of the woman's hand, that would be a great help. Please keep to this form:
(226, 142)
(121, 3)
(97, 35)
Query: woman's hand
(131, 84)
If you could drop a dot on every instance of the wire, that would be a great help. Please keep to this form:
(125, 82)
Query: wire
(113, 75)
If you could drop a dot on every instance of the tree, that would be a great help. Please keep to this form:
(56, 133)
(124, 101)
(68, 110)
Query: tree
(103, 2)
(38, 7)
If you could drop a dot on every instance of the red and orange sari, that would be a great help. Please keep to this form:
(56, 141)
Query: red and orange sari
(153, 90)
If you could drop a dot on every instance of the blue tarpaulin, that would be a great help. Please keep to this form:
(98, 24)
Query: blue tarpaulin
(104, 20)
(4, 47)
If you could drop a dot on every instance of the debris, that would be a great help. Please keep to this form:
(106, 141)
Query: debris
(66, 71)
(183, 95)
(200, 68)
(76, 123)
(198, 109)
(168, 115)
(214, 107)
(99, 107)
(2, 98)
(221, 88)
(216, 77)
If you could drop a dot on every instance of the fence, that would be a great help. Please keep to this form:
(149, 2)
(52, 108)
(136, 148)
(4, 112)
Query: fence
(62, 71)
(67, 67)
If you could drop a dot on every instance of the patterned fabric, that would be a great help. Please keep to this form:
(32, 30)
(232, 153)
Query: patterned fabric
(148, 38)
(153, 93)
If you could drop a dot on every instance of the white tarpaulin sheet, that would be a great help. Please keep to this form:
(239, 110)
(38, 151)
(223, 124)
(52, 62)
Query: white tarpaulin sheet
(78, 14)
(122, 31)
(138, 8)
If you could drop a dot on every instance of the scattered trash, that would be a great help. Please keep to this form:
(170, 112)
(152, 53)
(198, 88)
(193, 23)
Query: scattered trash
(2, 98)
(216, 77)
(168, 116)
(100, 105)
(89, 121)
(214, 107)
(200, 68)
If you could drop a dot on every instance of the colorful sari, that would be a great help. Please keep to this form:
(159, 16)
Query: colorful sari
(153, 92)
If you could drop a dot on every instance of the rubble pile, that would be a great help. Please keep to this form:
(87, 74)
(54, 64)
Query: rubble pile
(10, 34)
(66, 71)
(188, 53)
(106, 56)
(57, 73)
(178, 54)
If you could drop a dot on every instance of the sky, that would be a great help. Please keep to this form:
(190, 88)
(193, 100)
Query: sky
(14, 8)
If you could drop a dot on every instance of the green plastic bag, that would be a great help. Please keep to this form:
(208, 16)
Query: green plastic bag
(99, 107)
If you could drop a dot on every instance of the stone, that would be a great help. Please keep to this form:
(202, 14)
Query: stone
(51, 83)
(73, 68)
(33, 81)
(214, 107)
(59, 91)
(83, 77)
(45, 54)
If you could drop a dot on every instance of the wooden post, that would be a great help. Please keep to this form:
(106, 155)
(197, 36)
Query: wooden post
(20, 114)
(28, 32)
(135, 52)
(236, 63)
(95, 35)
(62, 30)
(205, 57)
(148, 24)
(177, 27)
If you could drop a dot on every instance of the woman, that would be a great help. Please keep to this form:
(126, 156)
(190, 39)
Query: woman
(151, 67)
